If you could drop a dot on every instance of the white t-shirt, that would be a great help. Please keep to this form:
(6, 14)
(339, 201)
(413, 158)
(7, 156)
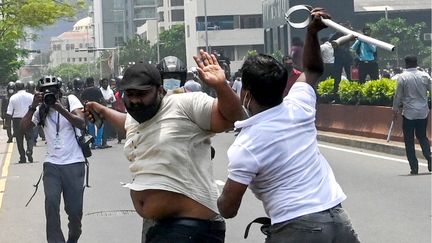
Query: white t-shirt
(171, 151)
(19, 104)
(277, 155)
(237, 86)
(108, 94)
(68, 151)
(327, 53)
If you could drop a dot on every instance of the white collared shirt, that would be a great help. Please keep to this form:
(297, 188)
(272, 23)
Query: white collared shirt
(276, 154)
(19, 104)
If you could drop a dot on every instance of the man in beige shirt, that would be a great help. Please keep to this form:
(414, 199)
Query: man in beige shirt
(168, 145)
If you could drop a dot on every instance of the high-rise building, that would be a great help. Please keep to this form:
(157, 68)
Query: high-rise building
(234, 27)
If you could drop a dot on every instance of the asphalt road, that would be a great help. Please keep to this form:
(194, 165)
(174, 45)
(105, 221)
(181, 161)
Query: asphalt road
(384, 202)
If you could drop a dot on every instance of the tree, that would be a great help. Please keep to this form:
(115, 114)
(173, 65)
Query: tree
(137, 49)
(17, 16)
(68, 71)
(405, 37)
(173, 43)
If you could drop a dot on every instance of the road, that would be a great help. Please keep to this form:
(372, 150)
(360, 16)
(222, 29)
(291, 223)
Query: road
(384, 202)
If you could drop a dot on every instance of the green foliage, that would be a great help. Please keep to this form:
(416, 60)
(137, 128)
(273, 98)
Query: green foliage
(173, 42)
(252, 53)
(349, 92)
(137, 49)
(406, 38)
(325, 90)
(379, 92)
(15, 17)
(9, 61)
(374, 92)
(68, 71)
(278, 55)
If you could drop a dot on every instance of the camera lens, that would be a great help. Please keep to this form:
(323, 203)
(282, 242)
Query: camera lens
(49, 99)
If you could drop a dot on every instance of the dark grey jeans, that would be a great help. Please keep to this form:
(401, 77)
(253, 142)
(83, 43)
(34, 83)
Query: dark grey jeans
(329, 226)
(69, 180)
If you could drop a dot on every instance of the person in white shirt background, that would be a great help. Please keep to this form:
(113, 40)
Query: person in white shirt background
(237, 85)
(18, 105)
(109, 97)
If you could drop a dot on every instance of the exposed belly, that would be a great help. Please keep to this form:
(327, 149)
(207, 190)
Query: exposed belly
(159, 204)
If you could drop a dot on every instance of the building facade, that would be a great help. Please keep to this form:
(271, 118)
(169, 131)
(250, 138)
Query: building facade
(63, 47)
(232, 26)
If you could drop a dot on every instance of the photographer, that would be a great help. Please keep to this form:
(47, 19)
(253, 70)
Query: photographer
(64, 167)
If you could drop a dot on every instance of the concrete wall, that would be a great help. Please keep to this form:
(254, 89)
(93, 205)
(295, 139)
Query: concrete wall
(367, 121)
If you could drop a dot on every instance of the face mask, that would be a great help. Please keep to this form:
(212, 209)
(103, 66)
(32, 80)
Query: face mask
(141, 112)
(289, 67)
(246, 108)
(11, 91)
(171, 83)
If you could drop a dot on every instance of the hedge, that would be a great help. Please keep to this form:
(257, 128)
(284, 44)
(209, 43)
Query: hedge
(374, 92)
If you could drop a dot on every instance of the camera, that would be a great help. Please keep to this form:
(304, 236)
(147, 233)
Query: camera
(49, 98)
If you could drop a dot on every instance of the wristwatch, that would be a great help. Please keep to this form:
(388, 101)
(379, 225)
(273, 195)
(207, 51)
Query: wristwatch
(31, 108)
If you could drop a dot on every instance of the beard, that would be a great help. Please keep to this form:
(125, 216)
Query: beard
(141, 112)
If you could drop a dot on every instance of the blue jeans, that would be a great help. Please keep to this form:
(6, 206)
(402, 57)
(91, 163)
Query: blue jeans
(68, 179)
(91, 128)
(329, 226)
(186, 230)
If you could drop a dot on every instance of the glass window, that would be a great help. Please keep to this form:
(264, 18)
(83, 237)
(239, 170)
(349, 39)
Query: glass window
(177, 3)
(72, 46)
(67, 47)
(85, 59)
(145, 13)
(80, 59)
(118, 41)
(119, 4)
(161, 16)
(145, 2)
(73, 59)
(81, 45)
(251, 21)
(177, 15)
(216, 23)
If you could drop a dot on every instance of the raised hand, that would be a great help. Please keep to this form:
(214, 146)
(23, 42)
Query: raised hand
(316, 24)
(209, 69)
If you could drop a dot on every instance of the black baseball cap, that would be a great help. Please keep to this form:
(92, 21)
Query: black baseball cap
(141, 76)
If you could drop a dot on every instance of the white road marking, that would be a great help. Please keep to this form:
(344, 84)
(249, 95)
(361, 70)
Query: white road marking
(220, 183)
(367, 154)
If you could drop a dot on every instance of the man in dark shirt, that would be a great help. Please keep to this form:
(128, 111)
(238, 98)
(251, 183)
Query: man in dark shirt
(93, 93)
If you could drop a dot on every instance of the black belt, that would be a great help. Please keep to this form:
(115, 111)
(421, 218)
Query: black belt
(196, 223)
(367, 61)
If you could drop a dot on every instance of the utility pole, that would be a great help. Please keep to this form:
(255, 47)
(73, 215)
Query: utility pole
(205, 24)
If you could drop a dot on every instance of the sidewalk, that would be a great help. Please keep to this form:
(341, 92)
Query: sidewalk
(378, 145)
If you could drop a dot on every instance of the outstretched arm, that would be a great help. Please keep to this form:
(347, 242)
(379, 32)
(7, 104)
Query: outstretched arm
(312, 61)
(117, 119)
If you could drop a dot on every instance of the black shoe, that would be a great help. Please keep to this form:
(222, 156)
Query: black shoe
(29, 156)
(22, 162)
(414, 172)
(9, 140)
(429, 167)
(104, 146)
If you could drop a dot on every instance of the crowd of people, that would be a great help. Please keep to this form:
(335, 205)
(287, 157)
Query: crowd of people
(167, 125)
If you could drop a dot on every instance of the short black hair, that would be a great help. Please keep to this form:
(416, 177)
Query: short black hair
(265, 78)
(410, 61)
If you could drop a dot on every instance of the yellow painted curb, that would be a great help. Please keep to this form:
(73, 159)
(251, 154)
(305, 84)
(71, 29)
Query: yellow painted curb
(5, 171)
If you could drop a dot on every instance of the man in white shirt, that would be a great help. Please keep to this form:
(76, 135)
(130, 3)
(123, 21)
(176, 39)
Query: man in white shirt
(17, 108)
(276, 153)
(108, 94)
(64, 167)
(237, 85)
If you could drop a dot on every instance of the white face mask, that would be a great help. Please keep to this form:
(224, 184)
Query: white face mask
(171, 84)
(246, 107)
(11, 91)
